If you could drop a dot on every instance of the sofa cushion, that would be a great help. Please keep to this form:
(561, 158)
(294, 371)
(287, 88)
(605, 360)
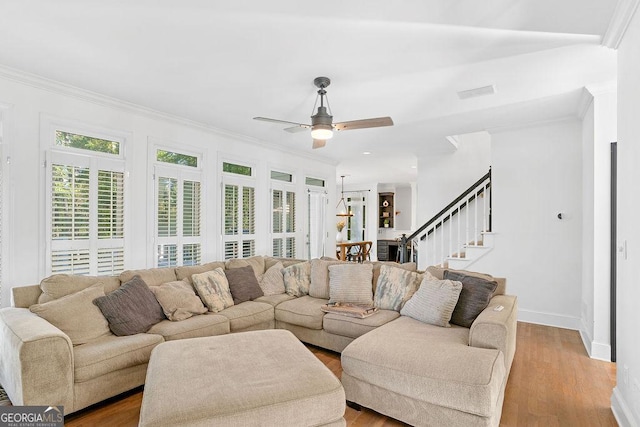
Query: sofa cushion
(243, 284)
(256, 263)
(297, 279)
(319, 286)
(213, 289)
(274, 300)
(474, 297)
(130, 309)
(272, 282)
(185, 272)
(151, 276)
(428, 363)
(304, 311)
(111, 353)
(270, 261)
(350, 283)
(178, 300)
(248, 314)
(193, 327)
(433, 302)
(353, 327)
(76, 315)
(59, 285)
(395, 287)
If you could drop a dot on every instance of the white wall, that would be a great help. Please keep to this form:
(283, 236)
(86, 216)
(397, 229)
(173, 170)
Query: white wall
(536, 174)
(443, 177)
(598, 132)
(626, 395)
(24, 241)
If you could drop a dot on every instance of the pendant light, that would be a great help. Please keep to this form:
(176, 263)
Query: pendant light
(341, 207)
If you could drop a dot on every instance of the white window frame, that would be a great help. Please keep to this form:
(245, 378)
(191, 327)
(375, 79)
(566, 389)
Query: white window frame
(285, 187)
(95, 160)
(229, 178)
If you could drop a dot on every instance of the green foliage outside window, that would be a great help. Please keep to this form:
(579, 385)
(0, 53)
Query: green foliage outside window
(67, 139)
(176, 158)
(237, 169)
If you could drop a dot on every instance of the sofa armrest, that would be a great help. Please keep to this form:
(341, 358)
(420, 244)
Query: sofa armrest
(497, 329)
(36, 367)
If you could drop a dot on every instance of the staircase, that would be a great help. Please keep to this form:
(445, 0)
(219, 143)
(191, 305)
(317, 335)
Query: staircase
(459, 234)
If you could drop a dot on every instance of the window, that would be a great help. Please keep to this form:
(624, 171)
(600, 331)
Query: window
(316, 182)
(236, 169)
(85, 206)
(239, 214)
(176, 158)
(283, 227)
(281, 176)
(178, 235)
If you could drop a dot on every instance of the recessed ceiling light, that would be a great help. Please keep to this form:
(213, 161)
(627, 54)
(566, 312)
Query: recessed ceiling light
(366, 153)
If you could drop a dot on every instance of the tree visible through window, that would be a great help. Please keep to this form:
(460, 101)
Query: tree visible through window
(67, 139)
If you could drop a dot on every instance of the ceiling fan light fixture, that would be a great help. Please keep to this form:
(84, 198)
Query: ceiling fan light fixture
(322, 131)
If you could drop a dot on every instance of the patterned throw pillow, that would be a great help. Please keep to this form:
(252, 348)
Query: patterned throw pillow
(272, 282)
(131, 309)
(474, 297)
(350, 283)
(395, 287)
(433, 302)
(178, 299)
(213, 289)
(297, 279)
(76, 315)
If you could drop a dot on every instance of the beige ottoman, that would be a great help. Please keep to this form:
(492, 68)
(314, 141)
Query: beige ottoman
(259, 378)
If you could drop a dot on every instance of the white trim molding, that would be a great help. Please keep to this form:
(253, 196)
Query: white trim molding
(549, 319)
(621, 410)
(625, 9)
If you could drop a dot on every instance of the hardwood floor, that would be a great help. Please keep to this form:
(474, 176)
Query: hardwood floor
(552, 383)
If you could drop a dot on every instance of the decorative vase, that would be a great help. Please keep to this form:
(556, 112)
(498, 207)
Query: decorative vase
(339, 237)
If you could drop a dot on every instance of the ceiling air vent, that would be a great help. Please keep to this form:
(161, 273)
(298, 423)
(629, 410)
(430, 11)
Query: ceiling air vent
(479, 91)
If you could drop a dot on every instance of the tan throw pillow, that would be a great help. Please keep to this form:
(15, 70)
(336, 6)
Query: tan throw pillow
(213, 289)
(243, 284)
(272, 282)
(150, 276)
(59, 285)
(178, 300)
(131, 309)
(395, 286)
(351, 283)
(185, 272)
(256, 262)
(319, 287)
(433, 302)
(76, 315)
(297, 279)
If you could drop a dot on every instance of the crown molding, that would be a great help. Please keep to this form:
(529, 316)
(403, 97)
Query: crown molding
(96, 98)
(622, 15)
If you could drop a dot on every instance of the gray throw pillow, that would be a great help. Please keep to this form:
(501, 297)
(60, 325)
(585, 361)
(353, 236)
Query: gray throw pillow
(433, 302)
(474, 297)
(131, 309)
(243, 284)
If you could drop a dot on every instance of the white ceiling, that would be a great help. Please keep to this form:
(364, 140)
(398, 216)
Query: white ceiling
(222, 64)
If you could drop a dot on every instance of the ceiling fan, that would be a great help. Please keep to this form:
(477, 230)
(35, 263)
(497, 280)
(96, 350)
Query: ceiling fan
(322, 125)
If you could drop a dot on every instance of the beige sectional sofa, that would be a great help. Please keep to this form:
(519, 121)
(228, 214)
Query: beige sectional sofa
(418, 373)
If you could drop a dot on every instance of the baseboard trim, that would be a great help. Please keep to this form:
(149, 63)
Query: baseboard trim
(621, 411)
(549, 319)
(595, 350)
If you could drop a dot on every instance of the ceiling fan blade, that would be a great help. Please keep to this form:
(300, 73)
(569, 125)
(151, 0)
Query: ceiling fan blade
(319, 143)
(299, 128)
(265, 119)
(364, 123)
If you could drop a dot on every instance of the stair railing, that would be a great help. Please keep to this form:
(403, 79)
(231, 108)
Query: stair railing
(451, 229)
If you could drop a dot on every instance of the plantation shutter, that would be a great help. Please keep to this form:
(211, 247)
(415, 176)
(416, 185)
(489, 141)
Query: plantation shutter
(283, 227)
(178, 217)
(86, 211)
(239, 220)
